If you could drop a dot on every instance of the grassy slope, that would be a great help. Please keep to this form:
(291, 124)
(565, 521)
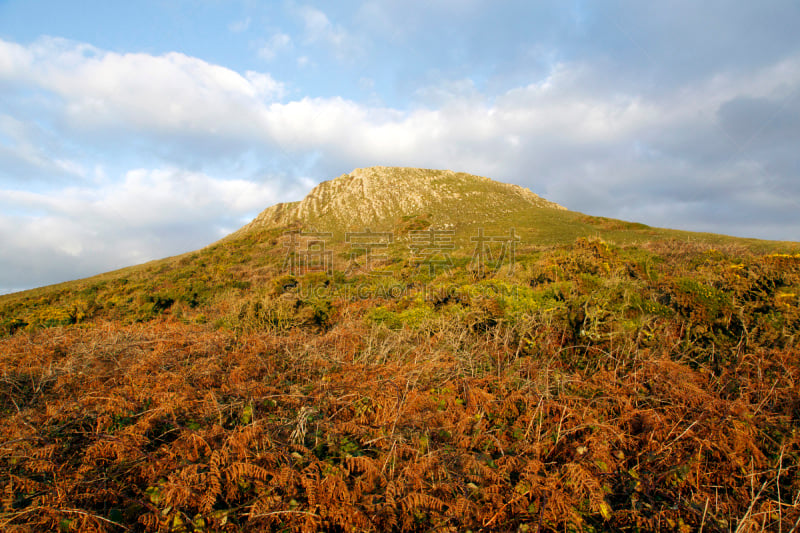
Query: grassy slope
(482, 203)
(251, 259)
(640, 379)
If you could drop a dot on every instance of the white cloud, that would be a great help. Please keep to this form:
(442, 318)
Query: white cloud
(277, 43)
(148, 198)
(464, 129)
(567, 112)
(14, 60)
(24, 152)
(317, 24)
(150, 213)
(105, 89)
(447, 91)
(319, 29)
(265, 85)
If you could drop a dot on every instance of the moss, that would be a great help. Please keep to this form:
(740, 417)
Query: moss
(412, 317)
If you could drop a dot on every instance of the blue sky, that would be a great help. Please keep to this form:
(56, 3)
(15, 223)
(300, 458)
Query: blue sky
(131, 131)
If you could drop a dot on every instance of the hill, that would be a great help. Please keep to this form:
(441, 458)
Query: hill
(481, 359)
(377, 197)
(397, 198)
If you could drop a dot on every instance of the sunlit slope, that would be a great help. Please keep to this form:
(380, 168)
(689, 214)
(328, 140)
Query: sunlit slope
(400, 200)
(393, 200)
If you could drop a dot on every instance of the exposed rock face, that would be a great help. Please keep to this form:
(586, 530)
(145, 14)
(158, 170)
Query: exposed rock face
(377, 196)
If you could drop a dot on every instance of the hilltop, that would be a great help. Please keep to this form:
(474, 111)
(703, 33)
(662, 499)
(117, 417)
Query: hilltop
(398, 199)
(378, 196)
(577, 374)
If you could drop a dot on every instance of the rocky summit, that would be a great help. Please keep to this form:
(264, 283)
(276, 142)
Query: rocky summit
(378, 196)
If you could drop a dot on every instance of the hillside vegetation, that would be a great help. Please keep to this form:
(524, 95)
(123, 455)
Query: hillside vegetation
(599, 376)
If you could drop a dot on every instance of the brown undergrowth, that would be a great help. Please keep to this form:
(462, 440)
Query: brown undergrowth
(597, 388)
(176, 427)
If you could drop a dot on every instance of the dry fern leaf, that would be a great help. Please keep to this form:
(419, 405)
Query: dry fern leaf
(151, 521)
(213, 490)
(311, 485)
(419, 500)
(360, 464)
(462, 509)
(247, 470)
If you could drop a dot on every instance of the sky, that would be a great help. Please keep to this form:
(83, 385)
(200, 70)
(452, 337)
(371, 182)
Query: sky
(131, 131)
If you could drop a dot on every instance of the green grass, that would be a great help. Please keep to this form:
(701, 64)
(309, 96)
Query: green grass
(253, 257)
